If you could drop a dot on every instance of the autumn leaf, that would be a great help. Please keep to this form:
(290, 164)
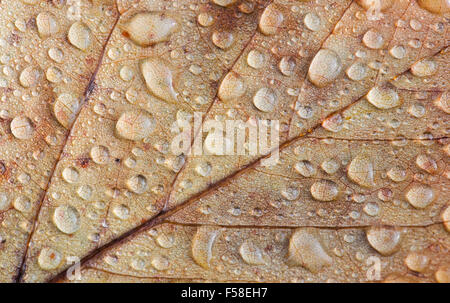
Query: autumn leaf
(95, 93)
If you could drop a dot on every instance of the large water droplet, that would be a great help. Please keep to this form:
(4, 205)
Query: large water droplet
(202, 245)
(271, 20)
(137, 184)
(306, 250)
(159, 79)
(265, 99)
(65, 109)
(49, 258)
(383, 98)
(373, 39)
(47, 24)
(361, 170)
(232, 87)
(324, 68)
(420, 195)
(251, 253)
(135, 125)
(67, 219)
(324, 190)
(386, 240)
(22, 127)
(80, 35)
(146, 29)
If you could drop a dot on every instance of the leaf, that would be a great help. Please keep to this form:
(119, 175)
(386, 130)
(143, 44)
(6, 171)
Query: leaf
(360, 93)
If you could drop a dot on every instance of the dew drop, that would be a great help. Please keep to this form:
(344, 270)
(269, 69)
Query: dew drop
(383, 98)
(420, 196)
(265, 99)
(22, 127)
(137, 184)
(385, 240)
(79, 35)
(70, 174)
(49, 258)
(306, 250)
(324, 68)
(324, 190)
(67, 219)
(271, 20)
(65, 109)
(159, 79)
(146, 29)
(135, 125)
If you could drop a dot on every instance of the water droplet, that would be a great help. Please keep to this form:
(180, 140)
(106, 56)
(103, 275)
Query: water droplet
(305, 168)
(265, 99)
(70, 174)
(158, 78)
(420, 196)
(324, 68)
(205, 19)
(135, 125)
(84, 192)
(442, 275)
(333, 123)
(137, 184)
(435, 6)
(324, 190)
(271, 20)
(80, 35)
(165, 241)
(445, 218)
(361, 170)
(417, 110)
(357, 71)
(371, 209)
(160, 263)
(121, 211)
(287, 65)
(312, 21)
(47, 24)
(22, 204)
(224, 3)
(306, 250)
(204, 169)
(373, 40)
(146, 29)
(385, 240)
(202, 245)
(67, 219)
(290, 193)
(126, 73)
(377, 4)
(396, 174)
(4, 201)
(22, 127)
(427, 163)
(29, 76)
(222, 39)
(417, 261)
(231, 88)
(424, 68)
(56, 54)
(251, 253)
(65, 109)
(383, 98)
(49, 258)
(255, 59)
(330, 166)
(398, 52)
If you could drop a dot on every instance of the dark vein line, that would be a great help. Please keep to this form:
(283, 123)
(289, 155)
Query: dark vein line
(90, 87)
